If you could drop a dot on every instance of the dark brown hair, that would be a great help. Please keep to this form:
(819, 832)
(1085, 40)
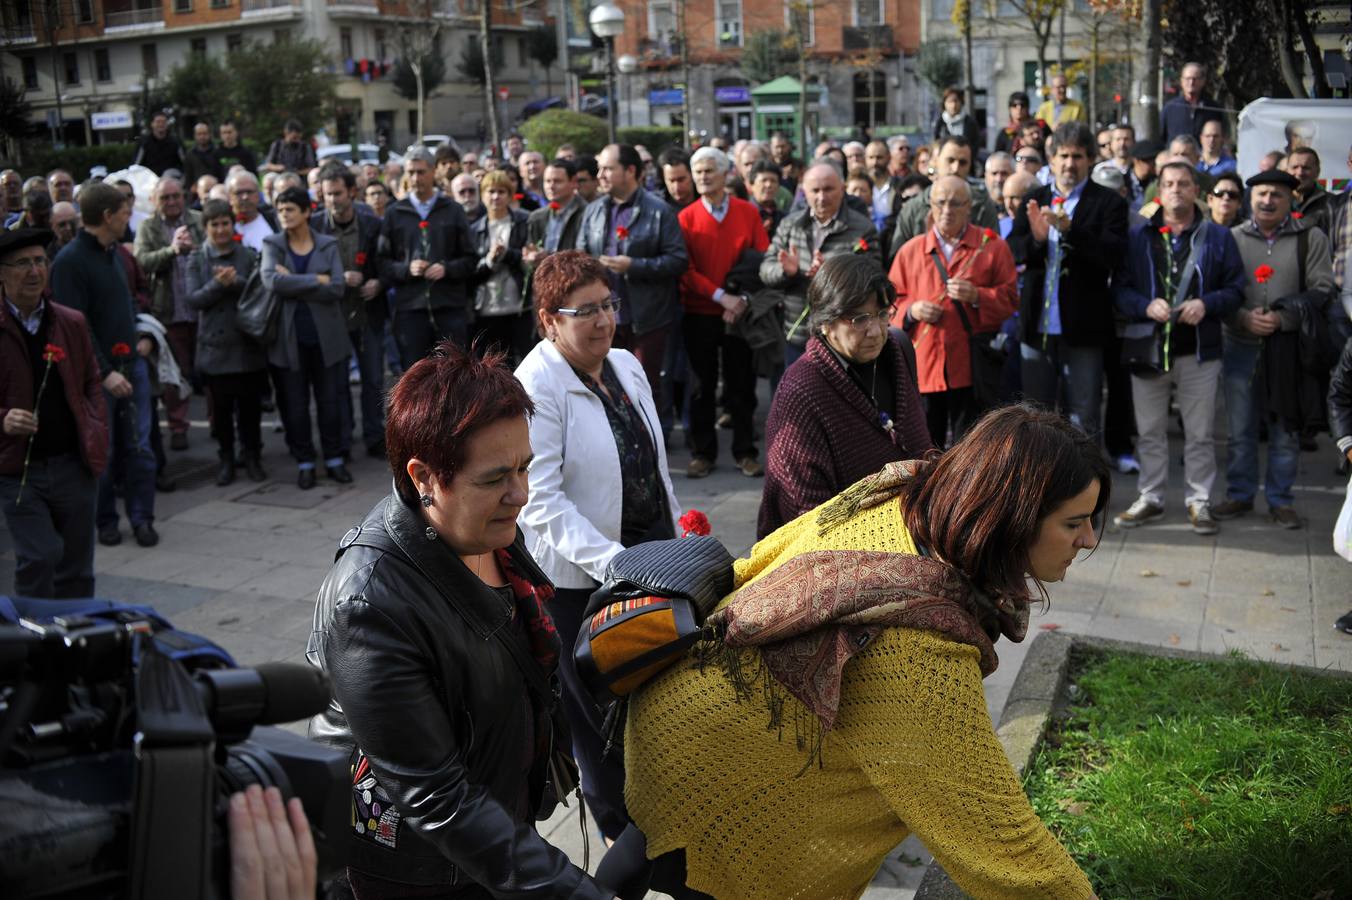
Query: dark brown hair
(562, 273)
(438, 405)
(979, 506)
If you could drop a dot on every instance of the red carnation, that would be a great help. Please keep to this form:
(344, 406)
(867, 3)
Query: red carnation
(622, 233)
(423, 224)
(1297, 215)
(555, 205)
(989, 234)
(237, 238)
(1058, 201)
(1164, 229)
(694, 523)
(53, 354)
(361, 258)
(861, 246)
(120, 349)
(1263, 273)
(519, 197)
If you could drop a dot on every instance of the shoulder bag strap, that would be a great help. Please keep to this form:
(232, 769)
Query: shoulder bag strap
(943, 277)
(1302, 250)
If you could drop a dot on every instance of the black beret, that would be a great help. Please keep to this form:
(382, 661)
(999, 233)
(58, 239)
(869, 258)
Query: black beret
(1146, 150)
(23, 237)
(1274, 176)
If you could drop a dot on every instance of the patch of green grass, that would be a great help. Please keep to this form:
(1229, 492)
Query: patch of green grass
(1178, 779)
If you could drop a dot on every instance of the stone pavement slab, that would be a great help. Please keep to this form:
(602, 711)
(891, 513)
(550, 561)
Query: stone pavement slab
(242, 565)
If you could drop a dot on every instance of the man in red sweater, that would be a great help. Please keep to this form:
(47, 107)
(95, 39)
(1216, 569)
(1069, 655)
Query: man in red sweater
(718, 229)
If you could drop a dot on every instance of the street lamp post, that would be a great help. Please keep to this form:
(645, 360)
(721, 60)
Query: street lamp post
(628, 65)
(607, 21)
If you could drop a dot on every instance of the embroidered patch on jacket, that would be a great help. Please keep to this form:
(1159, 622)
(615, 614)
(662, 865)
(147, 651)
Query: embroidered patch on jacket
(374, 817)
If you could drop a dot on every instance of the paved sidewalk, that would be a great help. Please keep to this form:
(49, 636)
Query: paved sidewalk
(242, 564)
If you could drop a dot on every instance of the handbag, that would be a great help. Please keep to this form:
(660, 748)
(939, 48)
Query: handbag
(1342, 529)
(1143, 348)
(985, 350)
(258, 310)
(649, 611)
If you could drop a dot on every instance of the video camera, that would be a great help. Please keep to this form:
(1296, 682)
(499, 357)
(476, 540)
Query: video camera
(120, 744)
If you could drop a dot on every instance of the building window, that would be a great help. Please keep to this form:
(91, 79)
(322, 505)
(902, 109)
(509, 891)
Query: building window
(103, 71)
(661, 21)
(413, 123)
(870, 99)
(522, 53)
(382, 52)
(198, 47)
(729, 23)
(72, 64)
(150, 60)
(281, 35)
(345, 43)
(84, 10)
(869, 12)
(30, 73)
(219, 4)
(801, 15)
(234, 42)
(182, 6)
(23, 16)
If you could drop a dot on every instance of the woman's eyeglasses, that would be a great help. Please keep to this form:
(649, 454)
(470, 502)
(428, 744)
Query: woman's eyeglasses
(1027, 159)
(592, 310)
(1227, 195)
(862, 321)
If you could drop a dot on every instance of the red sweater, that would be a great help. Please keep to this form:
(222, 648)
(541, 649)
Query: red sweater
(714, 248)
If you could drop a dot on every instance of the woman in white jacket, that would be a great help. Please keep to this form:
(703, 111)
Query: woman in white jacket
(598, 482)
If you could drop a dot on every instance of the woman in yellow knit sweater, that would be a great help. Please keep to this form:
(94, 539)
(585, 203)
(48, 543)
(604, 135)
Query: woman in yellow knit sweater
(859, 633)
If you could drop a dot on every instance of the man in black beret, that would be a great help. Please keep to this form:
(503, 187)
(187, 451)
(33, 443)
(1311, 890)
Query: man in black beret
(1142, 173)
(54, 443)
(1288, 266)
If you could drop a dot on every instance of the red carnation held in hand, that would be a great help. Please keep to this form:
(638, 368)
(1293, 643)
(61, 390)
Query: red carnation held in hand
(694, 523)
(53, 354)
(622, 233)
(1263, 273)
(120, 349)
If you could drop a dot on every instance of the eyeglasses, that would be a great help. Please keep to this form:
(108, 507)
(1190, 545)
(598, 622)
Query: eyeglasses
(862, 321)
(32, 264)
(1027, 159)
(586, 313)
(947, 204)
(1228, 195)
(1105, 144)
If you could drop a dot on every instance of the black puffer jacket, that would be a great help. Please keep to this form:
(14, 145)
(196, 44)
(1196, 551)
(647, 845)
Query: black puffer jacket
(428, 692)
(1340, 396)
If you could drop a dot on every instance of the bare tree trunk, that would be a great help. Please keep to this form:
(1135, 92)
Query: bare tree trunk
(1093, 68)
(802, 94)
(486, 43)
(689, 126)
(417, 67)
(969, 90)
(1061, 41)
(1281, 12)
(1318, 77)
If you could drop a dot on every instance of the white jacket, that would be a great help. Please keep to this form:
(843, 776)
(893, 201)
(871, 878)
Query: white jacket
(572, 520)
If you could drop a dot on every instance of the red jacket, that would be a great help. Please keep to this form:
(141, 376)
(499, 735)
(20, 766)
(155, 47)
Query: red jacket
(79, 373)
(714, 248)
(942, 350)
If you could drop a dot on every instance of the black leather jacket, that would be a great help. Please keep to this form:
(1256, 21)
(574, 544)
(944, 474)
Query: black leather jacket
(1340, 395)
(425, 687)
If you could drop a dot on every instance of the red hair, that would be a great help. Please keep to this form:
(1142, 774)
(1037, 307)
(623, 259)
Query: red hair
(562, 273)
(439, 403)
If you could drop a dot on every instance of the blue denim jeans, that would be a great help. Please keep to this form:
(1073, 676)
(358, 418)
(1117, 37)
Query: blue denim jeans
(1075, 372)
(131, 463)
(1238, 365)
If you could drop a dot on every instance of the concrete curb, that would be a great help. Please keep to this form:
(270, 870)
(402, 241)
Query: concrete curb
(1032, 702)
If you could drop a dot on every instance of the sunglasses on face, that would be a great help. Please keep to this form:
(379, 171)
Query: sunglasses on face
(1228, 195)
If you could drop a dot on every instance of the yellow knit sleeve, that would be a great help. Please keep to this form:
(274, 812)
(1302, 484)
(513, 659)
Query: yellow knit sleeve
(914, 718)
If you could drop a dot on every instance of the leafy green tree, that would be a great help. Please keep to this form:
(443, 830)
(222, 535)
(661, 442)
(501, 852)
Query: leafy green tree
(406, 80)
(767, 55)
(554, 127)
(938, 64)
(280, 81)
(203, 85)
(542, 45)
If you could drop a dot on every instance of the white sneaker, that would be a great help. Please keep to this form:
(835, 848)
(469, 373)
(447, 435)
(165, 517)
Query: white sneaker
(1139, 513)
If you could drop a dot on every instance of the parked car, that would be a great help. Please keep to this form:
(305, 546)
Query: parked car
(433, 141)
(345, 153)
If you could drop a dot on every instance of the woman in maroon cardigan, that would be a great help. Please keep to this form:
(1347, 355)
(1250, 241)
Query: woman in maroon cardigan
(849, 405)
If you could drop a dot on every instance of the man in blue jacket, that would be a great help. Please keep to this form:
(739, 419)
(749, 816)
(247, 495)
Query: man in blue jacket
(1183, 274)
(638, 238)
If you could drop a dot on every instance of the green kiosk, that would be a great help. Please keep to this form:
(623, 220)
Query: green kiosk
(775, 106)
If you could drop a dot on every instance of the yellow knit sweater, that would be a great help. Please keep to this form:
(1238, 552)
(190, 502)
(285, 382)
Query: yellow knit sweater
(913, 750)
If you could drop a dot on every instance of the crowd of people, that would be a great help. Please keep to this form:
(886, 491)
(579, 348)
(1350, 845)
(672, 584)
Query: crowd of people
(554, 323)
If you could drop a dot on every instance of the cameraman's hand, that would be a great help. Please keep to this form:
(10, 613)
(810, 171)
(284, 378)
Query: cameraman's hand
(272, 854)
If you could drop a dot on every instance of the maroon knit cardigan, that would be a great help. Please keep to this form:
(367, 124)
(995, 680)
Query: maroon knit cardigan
(823, 434)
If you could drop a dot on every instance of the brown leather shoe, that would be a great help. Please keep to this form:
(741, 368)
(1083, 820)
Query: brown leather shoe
(750, 467)
(1286, 516)
(1231, 509)
(699, 468)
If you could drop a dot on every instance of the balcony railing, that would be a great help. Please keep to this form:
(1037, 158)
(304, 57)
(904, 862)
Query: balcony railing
(367, 5)
(17, 34)
(151, 15)
(259, 5)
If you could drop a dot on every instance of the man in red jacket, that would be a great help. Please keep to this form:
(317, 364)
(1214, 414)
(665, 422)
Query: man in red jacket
(718, 229)
(54, 444)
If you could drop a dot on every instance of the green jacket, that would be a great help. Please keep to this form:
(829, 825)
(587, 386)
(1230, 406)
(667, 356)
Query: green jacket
(155, 253)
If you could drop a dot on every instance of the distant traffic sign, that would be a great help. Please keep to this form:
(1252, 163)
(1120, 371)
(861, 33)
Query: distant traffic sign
(504, 93)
